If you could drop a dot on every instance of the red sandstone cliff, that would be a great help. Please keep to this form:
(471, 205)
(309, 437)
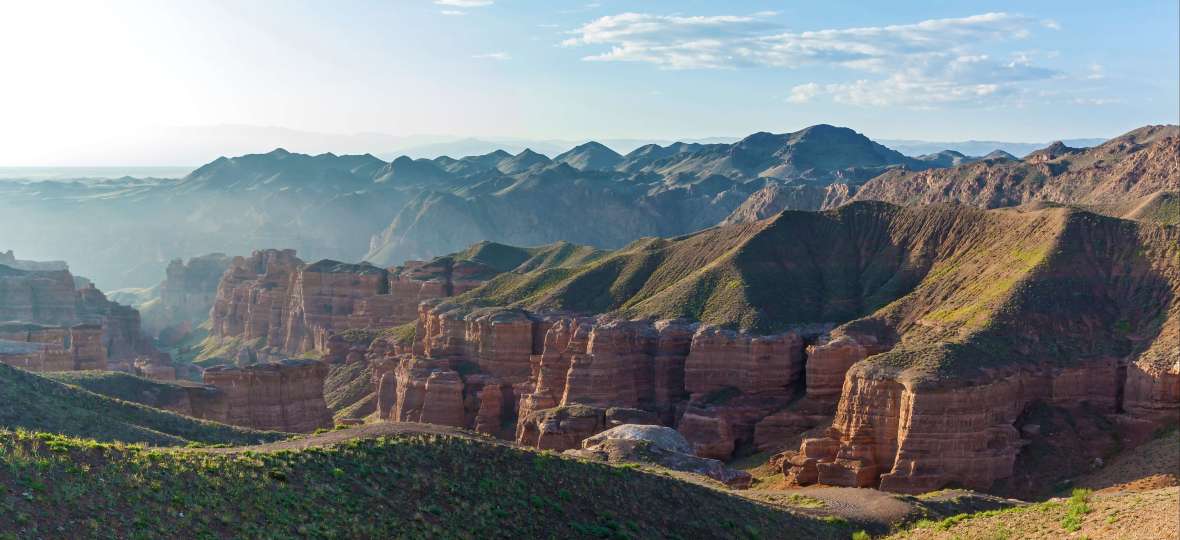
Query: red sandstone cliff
(83, 322)
(275, 302)
(282, 396)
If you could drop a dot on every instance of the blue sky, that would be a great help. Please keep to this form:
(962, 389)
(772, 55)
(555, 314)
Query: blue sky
(78, 73)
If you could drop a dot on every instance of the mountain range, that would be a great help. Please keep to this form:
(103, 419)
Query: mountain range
(122, 232)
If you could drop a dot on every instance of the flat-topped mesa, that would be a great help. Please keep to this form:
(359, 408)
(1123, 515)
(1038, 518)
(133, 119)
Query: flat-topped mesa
(283, 396)
(53, 348)
(48, 298)
(329, 295)
(42, 297)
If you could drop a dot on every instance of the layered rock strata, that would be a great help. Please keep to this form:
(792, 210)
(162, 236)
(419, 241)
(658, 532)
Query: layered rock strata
(282, 396)
(275, 303)
(53, 348)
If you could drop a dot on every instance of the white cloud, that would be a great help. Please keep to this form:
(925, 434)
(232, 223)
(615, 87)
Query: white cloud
(465, 3)
(927, 62)
(452, 12)
(498, 56)
(804, 92)
(1051, 24)
(1097, 101)
(1097, 72)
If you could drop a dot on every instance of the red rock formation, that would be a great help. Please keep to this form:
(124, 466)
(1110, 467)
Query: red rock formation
(53, 348)
(43, 297)
(186, 296)
(736, 380)
(252, 297)
(278, 305)
(283, 396)
(914, 437)
(829, 360)
(565, 427)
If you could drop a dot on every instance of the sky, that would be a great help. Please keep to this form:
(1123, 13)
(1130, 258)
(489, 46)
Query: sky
(146, 82)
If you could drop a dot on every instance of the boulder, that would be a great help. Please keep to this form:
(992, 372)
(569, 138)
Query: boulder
(656, 445)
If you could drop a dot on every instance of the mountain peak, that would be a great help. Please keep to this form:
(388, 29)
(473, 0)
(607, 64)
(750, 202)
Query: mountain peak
(591, 155)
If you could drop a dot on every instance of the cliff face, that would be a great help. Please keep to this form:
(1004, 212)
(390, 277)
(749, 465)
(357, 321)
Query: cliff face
(559, 379)
(185, 296)
(282, 396)
(48, 298)
(1088, 328)
(276, 303)
(50, 348)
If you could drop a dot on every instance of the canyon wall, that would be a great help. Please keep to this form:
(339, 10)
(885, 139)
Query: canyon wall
(276, 304)
(83, 322)
(185, 297)
(52, 348)
(281, 396)
(551, 380)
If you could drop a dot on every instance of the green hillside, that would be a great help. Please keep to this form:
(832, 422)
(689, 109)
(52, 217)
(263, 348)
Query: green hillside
(36, 403)
(411, 485)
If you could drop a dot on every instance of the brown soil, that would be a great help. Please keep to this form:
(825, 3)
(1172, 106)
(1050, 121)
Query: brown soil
(1147, 515)
(1150, 466)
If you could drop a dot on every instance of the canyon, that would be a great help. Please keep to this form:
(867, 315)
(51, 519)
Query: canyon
(64, 327)
(907, 347)
(938, 329)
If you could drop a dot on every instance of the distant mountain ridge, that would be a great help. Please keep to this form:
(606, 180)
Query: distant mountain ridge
(346, 207)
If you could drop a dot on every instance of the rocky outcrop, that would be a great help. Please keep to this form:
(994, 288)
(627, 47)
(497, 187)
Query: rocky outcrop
(430, 391)
(253, 297)
(914, 438)
(104, 329)
(657, 445)
(185, 296)
(282, 396)
(53, 348)
(278, 305)
(42, 297)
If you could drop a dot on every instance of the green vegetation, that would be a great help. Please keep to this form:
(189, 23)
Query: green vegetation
(217, 351)
(1076, 509)
(37, 403)
(345, 386)
(402, 335)
(124, 386)
(405, 485)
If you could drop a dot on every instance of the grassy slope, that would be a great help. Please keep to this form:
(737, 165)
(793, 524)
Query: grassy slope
(346, 386)
(37, 403)
(955, 286)
(1147, 515)
(123, 386)
(405, 485)
(796, 268)
(1064, 286)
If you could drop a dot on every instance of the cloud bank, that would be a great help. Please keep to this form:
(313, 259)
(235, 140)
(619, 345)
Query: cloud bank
(925, 63)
